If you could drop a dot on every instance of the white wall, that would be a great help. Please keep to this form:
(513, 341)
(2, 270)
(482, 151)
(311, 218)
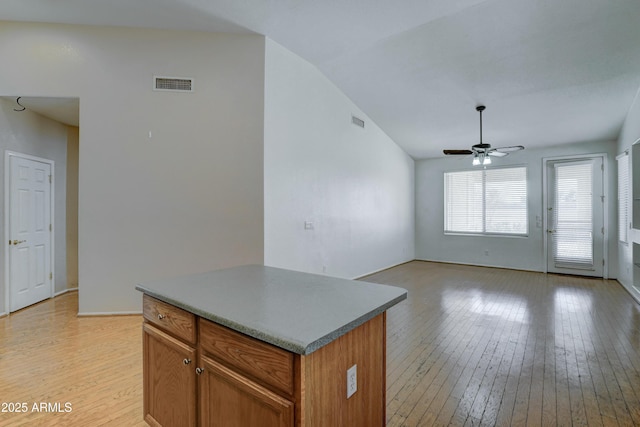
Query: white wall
(630, 133)
(188, 199)
(29, 133)
(524, 253)
(355, 185)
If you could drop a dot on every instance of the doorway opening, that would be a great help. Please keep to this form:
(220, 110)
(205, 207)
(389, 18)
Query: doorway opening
(41, 133)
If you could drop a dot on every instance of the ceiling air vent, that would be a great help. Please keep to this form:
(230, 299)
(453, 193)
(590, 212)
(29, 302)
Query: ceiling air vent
(358, 122)
(173, 84)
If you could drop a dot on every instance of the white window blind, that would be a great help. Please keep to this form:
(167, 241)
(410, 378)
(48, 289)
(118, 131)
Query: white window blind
(573, 214)
(623, 197)
(463, 202)
(489, 201)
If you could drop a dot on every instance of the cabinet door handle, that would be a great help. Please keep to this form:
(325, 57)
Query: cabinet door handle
(186, 361)
(199, 371)
(161, 316)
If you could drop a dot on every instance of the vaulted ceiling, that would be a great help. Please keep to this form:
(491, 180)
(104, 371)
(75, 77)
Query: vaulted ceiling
(549, 71)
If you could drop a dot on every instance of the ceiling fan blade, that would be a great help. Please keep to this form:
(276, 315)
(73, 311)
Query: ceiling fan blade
(495, 153)
(457, 152)
(510, 149)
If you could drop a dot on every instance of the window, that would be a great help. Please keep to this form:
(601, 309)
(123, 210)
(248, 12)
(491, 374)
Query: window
(488, 201)
(623, 197)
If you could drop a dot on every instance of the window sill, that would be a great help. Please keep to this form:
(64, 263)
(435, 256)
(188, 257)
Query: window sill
(517, 236)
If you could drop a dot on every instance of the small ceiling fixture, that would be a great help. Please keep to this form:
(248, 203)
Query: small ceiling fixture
(482, 152)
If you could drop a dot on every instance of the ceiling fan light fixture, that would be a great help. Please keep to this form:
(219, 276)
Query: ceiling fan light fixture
(482, 150)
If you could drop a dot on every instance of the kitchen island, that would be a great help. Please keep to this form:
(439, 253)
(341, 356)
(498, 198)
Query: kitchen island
(255, 345)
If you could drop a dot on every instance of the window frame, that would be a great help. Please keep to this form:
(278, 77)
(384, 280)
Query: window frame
(624, 157)
(485, 233)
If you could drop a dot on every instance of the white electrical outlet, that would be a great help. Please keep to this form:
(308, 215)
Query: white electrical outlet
(352, 380)
(308, 225)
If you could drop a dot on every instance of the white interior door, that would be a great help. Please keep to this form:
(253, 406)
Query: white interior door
(29, 237)
(575, 217)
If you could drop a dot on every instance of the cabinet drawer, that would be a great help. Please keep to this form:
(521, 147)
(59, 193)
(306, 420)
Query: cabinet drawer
(262, 361)
(172, 319)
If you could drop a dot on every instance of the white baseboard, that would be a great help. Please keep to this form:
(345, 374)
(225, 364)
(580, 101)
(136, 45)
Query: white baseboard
(64, 291)
(57, 294)
(634, 295)
(101, 313)
(479, 265)
(382, 269)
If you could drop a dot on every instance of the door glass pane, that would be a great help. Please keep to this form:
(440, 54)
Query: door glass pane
(573, 234)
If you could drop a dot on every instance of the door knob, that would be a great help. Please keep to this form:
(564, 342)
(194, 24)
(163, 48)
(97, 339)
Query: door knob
(17, 242)
(550, 231)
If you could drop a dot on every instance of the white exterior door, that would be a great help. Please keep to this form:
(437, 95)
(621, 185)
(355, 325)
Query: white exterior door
(29, 237)
(575, 217)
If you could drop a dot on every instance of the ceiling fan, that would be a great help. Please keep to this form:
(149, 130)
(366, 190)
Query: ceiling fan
(482, 152)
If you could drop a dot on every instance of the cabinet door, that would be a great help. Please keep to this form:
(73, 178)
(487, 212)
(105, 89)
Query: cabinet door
(169, 380)
(229, 399)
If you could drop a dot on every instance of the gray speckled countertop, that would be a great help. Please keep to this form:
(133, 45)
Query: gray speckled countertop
(296, 311)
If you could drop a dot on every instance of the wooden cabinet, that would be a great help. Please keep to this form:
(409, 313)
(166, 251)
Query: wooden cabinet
(169, 379)
(174, 320)
(257, 360)
(169, 352)
(229, 399)
(199, 373)
(245, 382)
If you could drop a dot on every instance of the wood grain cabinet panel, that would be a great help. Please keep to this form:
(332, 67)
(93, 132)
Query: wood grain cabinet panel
(228, 399)
(257, 359)
(172, 319)
(169, 380)
(325, 379)
(197, 372)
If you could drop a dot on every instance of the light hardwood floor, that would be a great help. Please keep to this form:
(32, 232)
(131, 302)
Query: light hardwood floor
(470, 346)
(48, 354)
(483, 346)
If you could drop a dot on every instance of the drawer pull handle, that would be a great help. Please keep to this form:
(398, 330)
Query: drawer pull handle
(186, 361)
(161, 316)
(199, 371)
